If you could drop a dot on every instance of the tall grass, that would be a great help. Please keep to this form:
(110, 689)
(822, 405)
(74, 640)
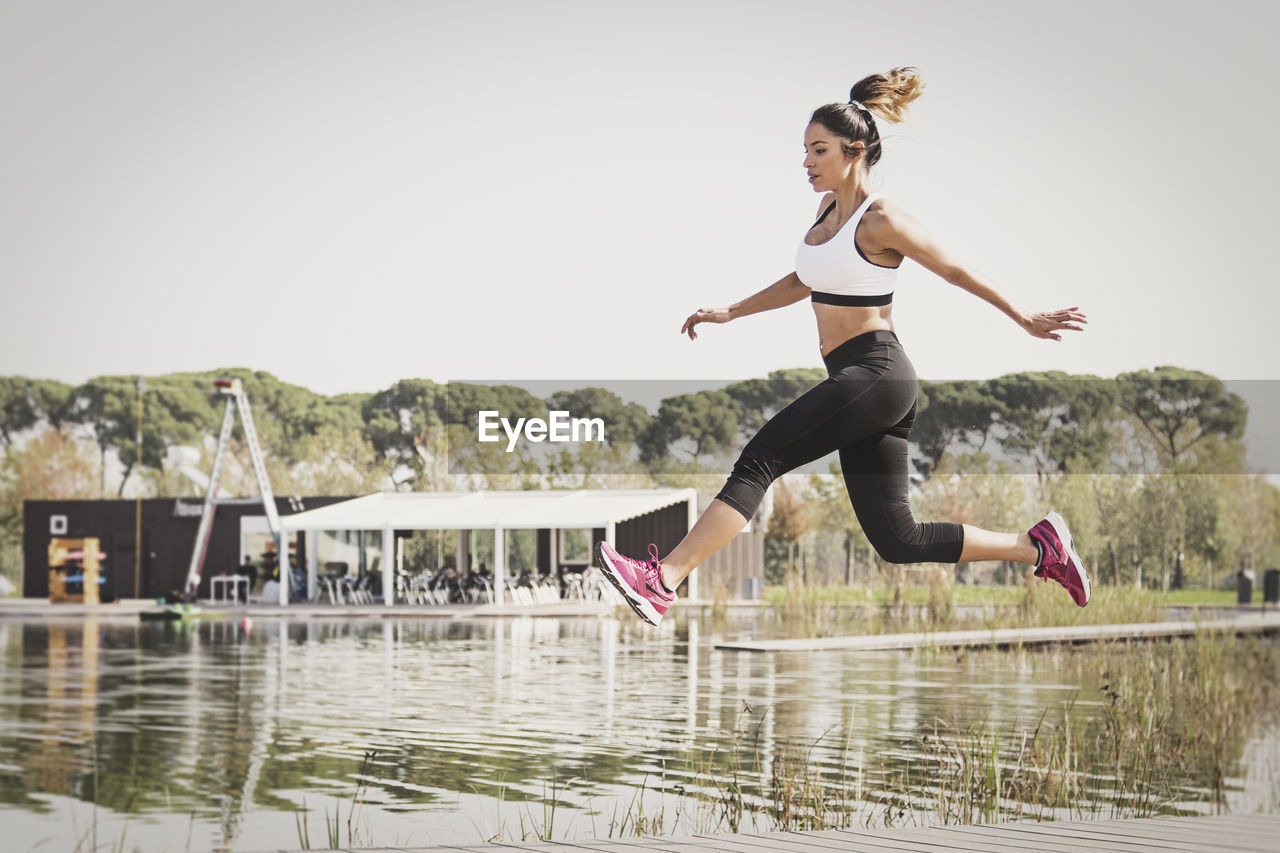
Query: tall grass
(1045, 604)
(814, 611)
(1173, 718)
(939, 605)
(333, 824)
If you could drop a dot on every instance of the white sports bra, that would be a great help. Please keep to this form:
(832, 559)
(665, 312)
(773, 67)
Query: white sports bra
(838, 273)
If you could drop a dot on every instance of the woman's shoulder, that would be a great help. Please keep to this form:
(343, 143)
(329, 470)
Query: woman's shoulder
(882, 205)
(883, 214)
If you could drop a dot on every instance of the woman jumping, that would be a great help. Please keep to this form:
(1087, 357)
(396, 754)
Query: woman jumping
(847, 264)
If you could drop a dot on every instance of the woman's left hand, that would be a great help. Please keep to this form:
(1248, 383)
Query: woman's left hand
(1047, 323)
(704, 315)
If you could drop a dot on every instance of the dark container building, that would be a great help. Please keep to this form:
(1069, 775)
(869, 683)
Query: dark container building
(168, 533)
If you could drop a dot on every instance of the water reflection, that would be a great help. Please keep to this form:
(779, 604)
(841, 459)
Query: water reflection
(60, 720)
(223, 729)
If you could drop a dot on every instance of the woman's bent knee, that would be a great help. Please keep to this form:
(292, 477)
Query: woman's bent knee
(751, 477)
(897, 552)
(929, 542)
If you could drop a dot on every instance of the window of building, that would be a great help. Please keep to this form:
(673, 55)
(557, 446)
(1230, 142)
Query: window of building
(575, 547)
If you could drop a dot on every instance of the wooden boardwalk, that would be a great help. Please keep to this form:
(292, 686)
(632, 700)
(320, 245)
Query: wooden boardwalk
(1264, 623)
(129, 610)
(1232, 834)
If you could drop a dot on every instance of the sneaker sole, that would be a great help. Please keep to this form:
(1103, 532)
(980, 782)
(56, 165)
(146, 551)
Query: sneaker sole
(1059, 525)
(642, 607)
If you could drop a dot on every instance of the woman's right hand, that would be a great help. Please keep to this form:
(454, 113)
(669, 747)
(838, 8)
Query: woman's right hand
(704, 315)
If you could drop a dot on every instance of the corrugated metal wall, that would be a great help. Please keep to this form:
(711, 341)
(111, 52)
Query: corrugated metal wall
(731, 567)
(664, 527)
(168, 533)
(728, 569)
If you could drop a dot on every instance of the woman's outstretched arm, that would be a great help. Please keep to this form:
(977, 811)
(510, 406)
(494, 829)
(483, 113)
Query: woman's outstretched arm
(785, 291)
(894, 229)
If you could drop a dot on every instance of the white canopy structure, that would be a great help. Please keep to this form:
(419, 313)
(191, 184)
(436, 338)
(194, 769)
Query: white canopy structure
(497, 511)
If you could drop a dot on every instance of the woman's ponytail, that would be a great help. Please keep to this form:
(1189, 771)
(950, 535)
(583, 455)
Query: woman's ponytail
(889, 95)
(886, 96)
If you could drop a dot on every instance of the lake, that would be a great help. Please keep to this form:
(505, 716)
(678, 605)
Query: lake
(213, 735)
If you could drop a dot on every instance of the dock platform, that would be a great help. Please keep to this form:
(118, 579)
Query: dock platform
(130, 610)
(1265, 623)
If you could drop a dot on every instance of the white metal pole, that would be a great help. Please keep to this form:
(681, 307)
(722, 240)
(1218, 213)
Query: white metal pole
(554, 555)
(206, 514)
(499, 565)
(388, 569)
(282, 559)
(460, 548)
(313, 562)
(400, 573)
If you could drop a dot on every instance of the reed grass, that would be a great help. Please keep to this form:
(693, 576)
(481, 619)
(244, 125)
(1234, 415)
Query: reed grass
(333, 825)
(1000, 596)
(939, 605)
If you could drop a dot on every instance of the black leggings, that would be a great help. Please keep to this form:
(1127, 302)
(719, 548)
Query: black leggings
(864, 409)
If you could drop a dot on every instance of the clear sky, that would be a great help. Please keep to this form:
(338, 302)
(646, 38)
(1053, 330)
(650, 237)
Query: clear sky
(350, 193)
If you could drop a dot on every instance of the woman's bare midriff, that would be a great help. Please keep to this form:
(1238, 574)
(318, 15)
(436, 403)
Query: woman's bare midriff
(839, 323)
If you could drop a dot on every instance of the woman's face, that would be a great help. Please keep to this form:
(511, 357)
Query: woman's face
(825, 160)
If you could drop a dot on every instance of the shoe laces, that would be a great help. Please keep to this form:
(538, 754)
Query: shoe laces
(652, 568)
(1053, 573)
(647, 566)
(1050, 567)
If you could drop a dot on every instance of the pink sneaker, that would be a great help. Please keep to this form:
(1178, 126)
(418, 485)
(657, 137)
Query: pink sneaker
(640, 582)
(1058, 558)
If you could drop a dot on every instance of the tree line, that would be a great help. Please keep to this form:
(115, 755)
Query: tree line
(1150, 463)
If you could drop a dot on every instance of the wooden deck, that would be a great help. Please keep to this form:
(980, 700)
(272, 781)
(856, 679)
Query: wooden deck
(1265, 623)
(1234, 834)
(129, 610)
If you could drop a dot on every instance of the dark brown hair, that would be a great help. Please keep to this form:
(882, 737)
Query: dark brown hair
(886, 95)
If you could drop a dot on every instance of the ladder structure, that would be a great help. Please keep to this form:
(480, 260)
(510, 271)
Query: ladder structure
(237, 401)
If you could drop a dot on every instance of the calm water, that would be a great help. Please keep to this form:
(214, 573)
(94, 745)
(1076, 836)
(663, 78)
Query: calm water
(211, 736)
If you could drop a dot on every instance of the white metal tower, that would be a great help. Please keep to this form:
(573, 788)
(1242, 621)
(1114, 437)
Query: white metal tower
(237, 400)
